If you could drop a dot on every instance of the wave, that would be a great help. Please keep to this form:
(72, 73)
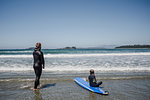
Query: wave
(78, 69)
(16, 51)
(74, 55)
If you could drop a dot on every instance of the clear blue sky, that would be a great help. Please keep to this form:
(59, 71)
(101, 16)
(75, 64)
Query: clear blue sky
(80, 23)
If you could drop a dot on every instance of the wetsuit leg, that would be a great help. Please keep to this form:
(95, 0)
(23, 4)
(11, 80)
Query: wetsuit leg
(38, 71)
(98, 84)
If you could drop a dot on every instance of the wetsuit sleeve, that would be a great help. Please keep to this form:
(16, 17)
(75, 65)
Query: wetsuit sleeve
(42, 59)
(90, 79)
(95, 81)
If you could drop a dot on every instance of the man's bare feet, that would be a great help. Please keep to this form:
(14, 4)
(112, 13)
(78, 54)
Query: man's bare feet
(35, 89)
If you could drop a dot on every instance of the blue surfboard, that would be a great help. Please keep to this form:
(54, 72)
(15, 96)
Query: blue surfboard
(86, 85)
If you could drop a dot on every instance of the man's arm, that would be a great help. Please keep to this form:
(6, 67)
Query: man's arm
(42, 59)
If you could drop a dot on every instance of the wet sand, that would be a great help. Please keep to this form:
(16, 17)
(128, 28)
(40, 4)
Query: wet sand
(64, 88)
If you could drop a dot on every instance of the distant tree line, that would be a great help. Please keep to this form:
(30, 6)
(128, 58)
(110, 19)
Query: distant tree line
(68, 48)
(133, 46)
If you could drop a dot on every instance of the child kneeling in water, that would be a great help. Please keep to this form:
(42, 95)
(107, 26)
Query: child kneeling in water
(92, 79)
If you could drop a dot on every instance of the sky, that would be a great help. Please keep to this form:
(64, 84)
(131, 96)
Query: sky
(80, 23)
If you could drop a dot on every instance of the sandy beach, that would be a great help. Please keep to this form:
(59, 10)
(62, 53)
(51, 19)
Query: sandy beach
(62, 87)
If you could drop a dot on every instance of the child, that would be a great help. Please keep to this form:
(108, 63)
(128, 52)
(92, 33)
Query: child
(92, 79)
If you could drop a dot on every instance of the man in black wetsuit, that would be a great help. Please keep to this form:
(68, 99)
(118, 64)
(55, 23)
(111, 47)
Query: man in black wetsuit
(92, 79)
(39, 63)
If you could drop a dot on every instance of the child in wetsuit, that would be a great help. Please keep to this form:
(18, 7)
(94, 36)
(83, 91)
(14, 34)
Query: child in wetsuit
(92, 79)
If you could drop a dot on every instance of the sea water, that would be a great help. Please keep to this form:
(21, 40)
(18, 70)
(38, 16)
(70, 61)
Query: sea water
(79, 60)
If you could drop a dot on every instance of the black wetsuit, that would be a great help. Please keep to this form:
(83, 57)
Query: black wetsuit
(38, 64)
(93, 82)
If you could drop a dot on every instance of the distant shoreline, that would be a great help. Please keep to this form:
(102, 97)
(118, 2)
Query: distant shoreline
(133, 47)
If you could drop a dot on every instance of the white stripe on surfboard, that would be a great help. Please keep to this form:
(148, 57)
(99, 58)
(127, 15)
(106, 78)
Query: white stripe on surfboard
(85, 86)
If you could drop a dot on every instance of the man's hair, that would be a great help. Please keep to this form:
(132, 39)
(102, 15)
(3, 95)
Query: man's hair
(38, 45)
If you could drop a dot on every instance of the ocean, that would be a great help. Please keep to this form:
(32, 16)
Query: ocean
(125, 74)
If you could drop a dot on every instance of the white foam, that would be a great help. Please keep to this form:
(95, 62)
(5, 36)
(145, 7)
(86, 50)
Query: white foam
(5, 80)
(15, 69)
(80, 69)
(26, 86)
(16, 51)
(16, 56)
(92, 55)
(75, 55)
(123, 69)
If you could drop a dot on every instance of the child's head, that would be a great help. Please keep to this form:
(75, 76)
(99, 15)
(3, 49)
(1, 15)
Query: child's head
(91, 71)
